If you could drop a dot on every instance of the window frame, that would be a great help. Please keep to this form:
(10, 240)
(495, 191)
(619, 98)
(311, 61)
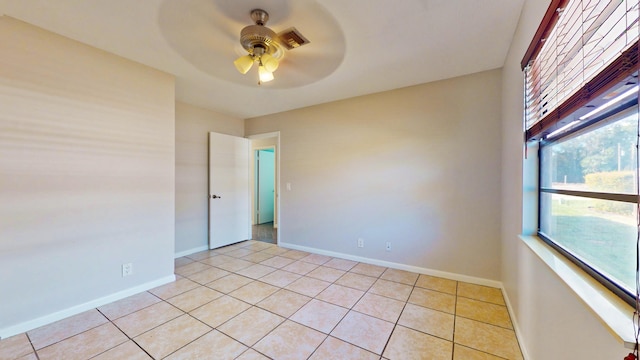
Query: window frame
(592, 125)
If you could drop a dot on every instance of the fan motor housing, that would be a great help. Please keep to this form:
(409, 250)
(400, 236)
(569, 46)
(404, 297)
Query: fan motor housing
(257, 35)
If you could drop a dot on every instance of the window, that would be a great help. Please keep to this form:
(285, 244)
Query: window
(588, 183)
(581, 105)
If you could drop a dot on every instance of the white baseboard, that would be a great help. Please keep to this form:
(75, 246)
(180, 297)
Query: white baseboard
(59, 315)
(191, 251)
(514, 322)
(416, 269)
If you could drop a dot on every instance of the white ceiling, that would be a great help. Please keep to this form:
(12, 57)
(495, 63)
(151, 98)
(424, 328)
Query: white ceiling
(356, 47)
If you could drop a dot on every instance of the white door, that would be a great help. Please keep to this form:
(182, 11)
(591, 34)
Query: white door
(266, 185)
(229, 201)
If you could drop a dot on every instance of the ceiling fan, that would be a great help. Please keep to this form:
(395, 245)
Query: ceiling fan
(265, 47)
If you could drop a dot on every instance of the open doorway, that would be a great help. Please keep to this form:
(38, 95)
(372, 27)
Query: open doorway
(264, 187)
(264, 209)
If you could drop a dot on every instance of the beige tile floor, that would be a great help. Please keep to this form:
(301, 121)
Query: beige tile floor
(254, 300)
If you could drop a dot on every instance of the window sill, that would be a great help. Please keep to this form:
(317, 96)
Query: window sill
(614, 313)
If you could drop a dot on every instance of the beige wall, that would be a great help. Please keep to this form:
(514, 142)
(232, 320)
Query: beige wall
(86, 176)
(554, 323)
(193, 125)
(418, 167)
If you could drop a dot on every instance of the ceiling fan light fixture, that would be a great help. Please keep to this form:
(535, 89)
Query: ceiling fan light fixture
(244, 63)
(262, 45)
(264, 74)
(269, 62)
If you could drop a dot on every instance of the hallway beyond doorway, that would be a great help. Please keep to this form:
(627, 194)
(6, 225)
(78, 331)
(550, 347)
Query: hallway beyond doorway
(265, 233)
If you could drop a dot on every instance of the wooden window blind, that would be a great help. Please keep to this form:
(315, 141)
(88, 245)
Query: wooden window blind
(581, 48)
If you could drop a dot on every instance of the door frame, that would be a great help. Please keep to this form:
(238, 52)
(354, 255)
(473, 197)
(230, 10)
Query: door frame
(275, 134)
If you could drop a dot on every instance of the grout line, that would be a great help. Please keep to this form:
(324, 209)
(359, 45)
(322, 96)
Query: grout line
(455, 320)
(35, 352)
(318, 347)
(481, 351)
(185, 345)
(72, 335)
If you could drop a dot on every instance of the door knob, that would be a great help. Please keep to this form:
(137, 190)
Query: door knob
(216, 197)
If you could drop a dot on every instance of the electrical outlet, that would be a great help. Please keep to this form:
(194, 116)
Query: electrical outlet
(388, 246)
(360, 242)
(127, 269)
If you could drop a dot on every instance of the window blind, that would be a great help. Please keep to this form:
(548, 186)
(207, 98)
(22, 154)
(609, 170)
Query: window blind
(581, 48)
